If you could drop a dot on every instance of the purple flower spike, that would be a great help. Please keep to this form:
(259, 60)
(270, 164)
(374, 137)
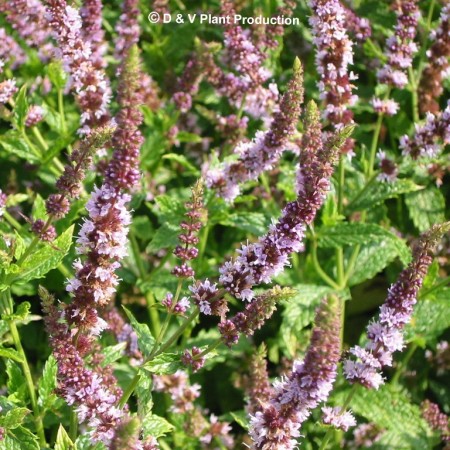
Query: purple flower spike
(438, 67)
(265, 150)
(400, 48)
(385, 335)
(277, 425)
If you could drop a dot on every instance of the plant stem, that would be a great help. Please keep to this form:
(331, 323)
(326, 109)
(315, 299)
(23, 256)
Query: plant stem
(129, 390)
(11, 220)
(58, 164)
(155, 323)
(431, 289)
(415, 97)
(374, 146)
(73, 427)
(134, 382)
(179, 332)
(403, 364)
(61, 111)
(29, 380)
(319, 269)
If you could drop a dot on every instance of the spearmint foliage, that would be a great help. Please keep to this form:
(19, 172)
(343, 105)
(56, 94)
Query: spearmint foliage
(224, 247)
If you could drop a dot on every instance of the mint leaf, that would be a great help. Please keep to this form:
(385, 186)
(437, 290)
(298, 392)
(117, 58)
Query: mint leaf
(21, 107)
(45, 259)
(47, 384)
(426, 207)
(63, 441)
(146, 341)
(156, 426)
(164, 364)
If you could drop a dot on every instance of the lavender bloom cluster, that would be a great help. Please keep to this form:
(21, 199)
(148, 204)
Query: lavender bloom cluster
(90, 83)
(385, 334)
(103, 237)
(400, 48)
(27, 17)
(260, 262)
(276, 426)
(334, 55)
(92, 31)
(425, 142)
(264, 151)
(10, 51)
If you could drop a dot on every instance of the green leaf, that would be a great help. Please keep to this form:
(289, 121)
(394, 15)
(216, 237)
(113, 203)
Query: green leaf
(57, 75)
(20, 439)
(426, 207)
(156, 426)
(47, 384)
(21, 314)
(39, 211)
(252, 222)
(11, 354)
(371, 260)
(392, 411)
(164, 364)
(355, 233)
(21, 107)
(45, 259)
(113, 353)
(13, 418)
(299, 312)
(15, 144)
(183, 161)
(378, 192)
(83, 442)
(184, 136)
(241, 417)
(146, 341)
(431, 317)
(19, 245)
(166, 236)
(63, 441)
(144, 394)
(16, 384)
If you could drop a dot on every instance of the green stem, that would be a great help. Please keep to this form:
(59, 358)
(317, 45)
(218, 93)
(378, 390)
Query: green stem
(134, 382)
(319, 269)
(179, 332)
(129, 390)
(415, 96)
(203, 241)
(404, 363)
(363, 190)
(61, 111)
(341, 181)
(374, 146)
(44, 146)
(155, 323)
(29, 381)
(73, 427)
(210, 348)
(431, 289)
(31, 145)
(11, 220)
